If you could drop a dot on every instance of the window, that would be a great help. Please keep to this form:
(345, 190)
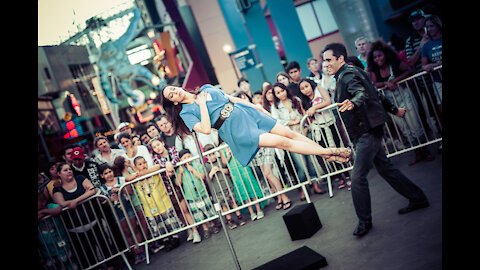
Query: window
(316, 18)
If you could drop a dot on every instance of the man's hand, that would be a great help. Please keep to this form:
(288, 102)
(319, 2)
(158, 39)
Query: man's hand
(401, 112)
(345, 105)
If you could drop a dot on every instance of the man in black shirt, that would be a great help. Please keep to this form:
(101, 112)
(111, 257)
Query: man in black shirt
(86, 167)
(364, 112)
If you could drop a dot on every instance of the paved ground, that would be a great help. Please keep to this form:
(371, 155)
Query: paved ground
(411, 241)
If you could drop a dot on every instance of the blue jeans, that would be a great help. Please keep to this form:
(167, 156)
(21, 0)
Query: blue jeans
(297, 158)
(368, 152)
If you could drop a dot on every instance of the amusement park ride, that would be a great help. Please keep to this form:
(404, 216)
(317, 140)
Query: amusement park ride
(112, 67)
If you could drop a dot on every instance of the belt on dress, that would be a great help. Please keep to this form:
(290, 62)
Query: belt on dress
(224, 114)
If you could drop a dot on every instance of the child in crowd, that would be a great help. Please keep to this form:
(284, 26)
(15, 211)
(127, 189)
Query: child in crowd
(167, 158)
(156, 204)
(189, 178)
(245, 184)
(222, 185)
(110, 187)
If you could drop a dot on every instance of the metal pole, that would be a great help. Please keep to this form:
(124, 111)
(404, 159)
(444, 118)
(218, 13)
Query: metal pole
(218, 209)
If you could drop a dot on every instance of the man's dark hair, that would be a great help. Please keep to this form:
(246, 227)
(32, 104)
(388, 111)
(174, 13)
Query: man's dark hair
(292, 65)
(337, 49)
(242, 80)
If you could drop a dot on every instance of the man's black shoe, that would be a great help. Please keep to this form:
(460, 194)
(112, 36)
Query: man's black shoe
(362, 228)
(413, 206)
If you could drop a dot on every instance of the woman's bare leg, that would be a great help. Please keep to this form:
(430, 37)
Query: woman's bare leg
(286, 139)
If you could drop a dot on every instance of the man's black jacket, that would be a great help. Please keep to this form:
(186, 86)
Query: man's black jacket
(370, 105)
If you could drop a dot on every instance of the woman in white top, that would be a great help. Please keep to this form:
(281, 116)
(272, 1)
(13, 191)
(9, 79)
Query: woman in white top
(288, 110)
(133, 151)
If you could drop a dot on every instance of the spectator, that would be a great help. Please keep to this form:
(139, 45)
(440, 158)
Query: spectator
(122, 167)
(105, 153)
(54, 178)
(246, 187)
(257, 98)
(85, 166)
(289, 111)
(361, 43)
(124, 127)
(173, 139)
(67, 153)
(165, 159)
(315, 69)
(244, 85)
(190, 179)
(322, 124)
(110, 187)
(363, 111)
(386, 69)
(136, 140)
(264, 85)
(432, 53)
(295, 72)
(157, 207)
(144, 138)
(133, 151)
(415, 42)
(81, 224)
(51, 232)
(422, 86)
(222, 186)
(152, 130)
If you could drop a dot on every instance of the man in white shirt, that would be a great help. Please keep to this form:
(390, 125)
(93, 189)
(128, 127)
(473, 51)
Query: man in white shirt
(105, 153)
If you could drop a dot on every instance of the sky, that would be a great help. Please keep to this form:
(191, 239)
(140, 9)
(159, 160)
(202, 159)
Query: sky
(57, 17)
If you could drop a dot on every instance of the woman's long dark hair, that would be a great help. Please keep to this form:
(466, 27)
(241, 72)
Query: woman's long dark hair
(303, 96)
(295, 103)
(173, 112)
(266, 103)
(391, 56)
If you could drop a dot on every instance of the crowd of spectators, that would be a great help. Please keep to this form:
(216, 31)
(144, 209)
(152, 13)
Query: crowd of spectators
(137, 150)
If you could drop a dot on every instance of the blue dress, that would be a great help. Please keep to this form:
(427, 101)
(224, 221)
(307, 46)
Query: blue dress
(241, 130)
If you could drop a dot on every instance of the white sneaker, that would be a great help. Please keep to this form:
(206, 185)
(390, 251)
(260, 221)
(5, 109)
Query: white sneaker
(196, 237)
(253, 216)
(260, 215)
(190, 235)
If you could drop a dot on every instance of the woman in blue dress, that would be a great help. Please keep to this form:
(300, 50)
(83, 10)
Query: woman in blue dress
(245, 129)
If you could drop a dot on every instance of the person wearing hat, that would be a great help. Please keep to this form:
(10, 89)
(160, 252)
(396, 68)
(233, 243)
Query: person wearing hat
(85, 166)
(124, 127)
(415, 42)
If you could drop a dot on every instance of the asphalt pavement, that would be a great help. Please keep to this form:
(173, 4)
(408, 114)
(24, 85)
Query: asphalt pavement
(411, 241)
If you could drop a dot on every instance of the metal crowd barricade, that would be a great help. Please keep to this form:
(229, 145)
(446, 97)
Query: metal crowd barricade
(327, 128)
(421, 96)
(81, 238)
(227, 191)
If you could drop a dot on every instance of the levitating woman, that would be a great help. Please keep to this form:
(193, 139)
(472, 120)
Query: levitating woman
(243, 126)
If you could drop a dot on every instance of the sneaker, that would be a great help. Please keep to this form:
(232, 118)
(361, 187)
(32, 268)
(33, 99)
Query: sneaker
(206, 234)
(241, 222)
(260, 215)
(349, 184)
(156, 247)
(139, 258)
(190, 235)
(253, 216)
(231, 224)
(341, 184)
(196, 237)
(216, 230)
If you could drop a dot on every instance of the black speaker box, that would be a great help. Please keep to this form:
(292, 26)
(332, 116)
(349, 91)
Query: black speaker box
(302, 221)
(302, 258)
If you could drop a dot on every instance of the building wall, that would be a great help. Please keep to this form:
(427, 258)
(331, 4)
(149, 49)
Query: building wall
(215, 34)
